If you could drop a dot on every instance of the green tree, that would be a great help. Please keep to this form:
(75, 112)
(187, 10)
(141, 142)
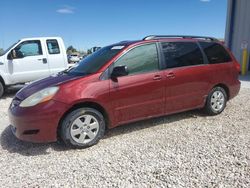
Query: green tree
(1, 51)
(71, 50)
(89, 51)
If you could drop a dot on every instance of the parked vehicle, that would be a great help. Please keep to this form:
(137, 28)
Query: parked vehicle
(30, 59)
(126, 82)
(73, 58)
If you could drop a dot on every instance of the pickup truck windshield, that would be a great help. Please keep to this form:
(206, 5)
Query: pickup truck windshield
(5, 51)
(95, 61)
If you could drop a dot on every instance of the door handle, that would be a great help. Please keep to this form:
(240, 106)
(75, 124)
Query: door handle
(157, 77)
(43, 59)
(171, 75)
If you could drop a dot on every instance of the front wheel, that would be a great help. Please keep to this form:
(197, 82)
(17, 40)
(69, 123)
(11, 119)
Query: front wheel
(216, 101)
(82, 128)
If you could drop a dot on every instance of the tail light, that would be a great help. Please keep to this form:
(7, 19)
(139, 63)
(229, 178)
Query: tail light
(237, 66)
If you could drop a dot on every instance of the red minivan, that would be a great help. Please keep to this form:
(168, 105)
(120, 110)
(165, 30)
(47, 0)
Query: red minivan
(126, 82)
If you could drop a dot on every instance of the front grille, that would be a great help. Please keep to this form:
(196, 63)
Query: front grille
(31, 131)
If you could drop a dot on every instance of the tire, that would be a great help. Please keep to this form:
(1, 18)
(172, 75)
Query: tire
(82, 128)
(216, 101)
(1, 89)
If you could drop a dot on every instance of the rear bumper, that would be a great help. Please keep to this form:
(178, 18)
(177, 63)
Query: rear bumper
(234, 89)
(37, 124)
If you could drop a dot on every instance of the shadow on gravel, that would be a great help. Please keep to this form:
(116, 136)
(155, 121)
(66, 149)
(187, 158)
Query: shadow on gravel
(11, 91)
(144, 124)
(10, 143)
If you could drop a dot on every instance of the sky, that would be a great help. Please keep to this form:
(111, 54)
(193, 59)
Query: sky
(88, 23)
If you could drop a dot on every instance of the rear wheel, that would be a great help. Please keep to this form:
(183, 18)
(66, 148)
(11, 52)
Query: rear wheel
(82, 128)
(216, 101)
(1, 89)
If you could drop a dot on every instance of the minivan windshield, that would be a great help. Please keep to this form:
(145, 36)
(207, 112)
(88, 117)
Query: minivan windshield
(95, 61)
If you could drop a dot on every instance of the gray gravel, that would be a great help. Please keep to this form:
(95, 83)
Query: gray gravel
(183, 150)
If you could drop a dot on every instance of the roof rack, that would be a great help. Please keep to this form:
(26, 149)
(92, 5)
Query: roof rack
(150, 37)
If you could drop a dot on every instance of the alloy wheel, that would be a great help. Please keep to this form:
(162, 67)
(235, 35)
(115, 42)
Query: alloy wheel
(217, 101)
(84, 129)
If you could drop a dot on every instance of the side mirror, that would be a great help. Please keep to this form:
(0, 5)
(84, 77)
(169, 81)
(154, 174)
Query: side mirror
(12, 55)
(119, 71)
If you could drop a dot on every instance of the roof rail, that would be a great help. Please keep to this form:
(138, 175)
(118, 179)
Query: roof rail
(150, 37)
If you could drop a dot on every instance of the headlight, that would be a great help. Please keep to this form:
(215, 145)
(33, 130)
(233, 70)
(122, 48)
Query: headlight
(39, 97)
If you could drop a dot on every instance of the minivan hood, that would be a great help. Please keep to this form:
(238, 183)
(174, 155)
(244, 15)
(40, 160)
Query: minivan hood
(42, 84)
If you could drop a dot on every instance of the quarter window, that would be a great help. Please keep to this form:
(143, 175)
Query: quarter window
(141, 59)
(180, 54)
(53, 46)
(215, 52)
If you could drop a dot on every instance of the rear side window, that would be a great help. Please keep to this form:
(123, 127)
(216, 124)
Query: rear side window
(180, 54)
(53, 46)
(215, 52)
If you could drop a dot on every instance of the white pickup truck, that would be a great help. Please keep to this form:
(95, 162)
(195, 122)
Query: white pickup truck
(30, 59)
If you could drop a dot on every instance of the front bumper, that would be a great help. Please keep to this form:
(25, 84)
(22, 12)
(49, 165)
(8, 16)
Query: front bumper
(38, 123)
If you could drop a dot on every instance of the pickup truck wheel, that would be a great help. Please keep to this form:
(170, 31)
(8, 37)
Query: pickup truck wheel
(1, 89)
(216, 101)
(82, 128)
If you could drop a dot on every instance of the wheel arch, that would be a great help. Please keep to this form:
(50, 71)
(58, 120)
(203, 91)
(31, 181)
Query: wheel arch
(2, 81)
(89, 104)
(225, 87)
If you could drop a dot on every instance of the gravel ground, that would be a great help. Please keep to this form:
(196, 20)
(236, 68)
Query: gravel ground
(183, 150)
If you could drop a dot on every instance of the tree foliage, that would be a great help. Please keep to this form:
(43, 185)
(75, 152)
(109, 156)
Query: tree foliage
(71, 50)
(1, 51)
(89, 51)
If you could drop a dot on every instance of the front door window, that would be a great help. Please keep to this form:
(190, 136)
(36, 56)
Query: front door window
(139, 60)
